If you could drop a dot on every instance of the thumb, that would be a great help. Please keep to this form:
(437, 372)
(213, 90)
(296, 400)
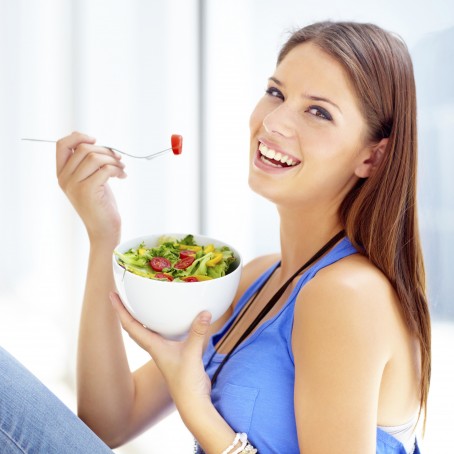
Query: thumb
(198, 332)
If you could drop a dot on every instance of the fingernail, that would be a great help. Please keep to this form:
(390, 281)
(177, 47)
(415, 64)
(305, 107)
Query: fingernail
(205, 318)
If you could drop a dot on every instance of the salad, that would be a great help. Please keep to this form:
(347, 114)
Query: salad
(177, 260)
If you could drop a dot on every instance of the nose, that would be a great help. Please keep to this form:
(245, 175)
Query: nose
(280, 121)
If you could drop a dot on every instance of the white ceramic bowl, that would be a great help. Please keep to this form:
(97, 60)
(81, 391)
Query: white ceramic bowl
(170, 307)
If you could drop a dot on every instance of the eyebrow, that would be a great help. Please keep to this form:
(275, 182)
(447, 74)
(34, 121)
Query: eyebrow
(307, 96)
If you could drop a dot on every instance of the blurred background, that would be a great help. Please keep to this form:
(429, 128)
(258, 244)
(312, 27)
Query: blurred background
(131, 73)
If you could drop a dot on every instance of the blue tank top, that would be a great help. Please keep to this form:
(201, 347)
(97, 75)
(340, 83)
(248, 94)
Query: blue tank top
(254, 392)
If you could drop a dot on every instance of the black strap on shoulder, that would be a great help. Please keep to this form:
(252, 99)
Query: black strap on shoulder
(275, 298)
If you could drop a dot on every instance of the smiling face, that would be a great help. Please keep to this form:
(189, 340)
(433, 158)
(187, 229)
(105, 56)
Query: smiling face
(307, 133)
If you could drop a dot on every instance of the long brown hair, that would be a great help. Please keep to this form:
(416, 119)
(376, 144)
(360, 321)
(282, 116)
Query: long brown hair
(379, 214)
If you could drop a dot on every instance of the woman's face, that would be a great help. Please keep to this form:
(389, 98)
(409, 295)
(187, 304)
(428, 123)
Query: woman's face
(307, 132)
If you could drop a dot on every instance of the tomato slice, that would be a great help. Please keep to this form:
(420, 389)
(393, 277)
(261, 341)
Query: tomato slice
(177, 143)
(184, 263)
(163, 276)
(190, 279)
(186, 253)
(159, 263)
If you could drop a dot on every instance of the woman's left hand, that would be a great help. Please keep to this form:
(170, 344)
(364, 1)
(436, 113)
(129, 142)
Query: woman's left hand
(180, 362)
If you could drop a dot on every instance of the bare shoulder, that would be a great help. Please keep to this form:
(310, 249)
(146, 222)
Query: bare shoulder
(353, 280)
(253, 270)
(351, 297)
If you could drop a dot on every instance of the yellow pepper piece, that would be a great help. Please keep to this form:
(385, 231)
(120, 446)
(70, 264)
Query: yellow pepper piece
(215, 260)
(190, 248)
(142, 251)
(208, 248)
(201, 277)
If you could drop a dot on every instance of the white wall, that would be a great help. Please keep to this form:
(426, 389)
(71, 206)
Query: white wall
(127, 72)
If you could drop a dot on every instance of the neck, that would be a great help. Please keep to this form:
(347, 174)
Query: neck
(303, 234)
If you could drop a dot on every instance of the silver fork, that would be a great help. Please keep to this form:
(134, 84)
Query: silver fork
(151, 156)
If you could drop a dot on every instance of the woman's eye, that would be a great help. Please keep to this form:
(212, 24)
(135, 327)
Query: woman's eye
(273, 91)
(319, 112)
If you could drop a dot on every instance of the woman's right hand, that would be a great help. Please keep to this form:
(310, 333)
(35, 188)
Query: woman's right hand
(83, 171)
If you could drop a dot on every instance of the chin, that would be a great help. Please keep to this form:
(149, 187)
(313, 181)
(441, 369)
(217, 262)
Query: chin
(261, 188)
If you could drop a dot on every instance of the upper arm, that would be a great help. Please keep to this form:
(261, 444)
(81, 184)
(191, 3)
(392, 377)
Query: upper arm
(339, 360)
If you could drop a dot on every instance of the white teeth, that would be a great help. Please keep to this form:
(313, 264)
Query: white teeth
(276, 155)
(270, 153)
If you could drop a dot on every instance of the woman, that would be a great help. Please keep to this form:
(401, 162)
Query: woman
(326, 347)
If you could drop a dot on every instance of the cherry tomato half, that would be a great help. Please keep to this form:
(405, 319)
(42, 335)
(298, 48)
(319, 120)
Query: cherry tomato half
(159, 263)
(177, 143)
(184, 263)
(190, 279)
(163, 276)
(186, 253)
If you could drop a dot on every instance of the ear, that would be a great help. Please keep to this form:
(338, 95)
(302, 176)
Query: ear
(373, 156)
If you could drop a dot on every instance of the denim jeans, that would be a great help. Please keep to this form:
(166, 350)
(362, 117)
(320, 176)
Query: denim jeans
(35, 421)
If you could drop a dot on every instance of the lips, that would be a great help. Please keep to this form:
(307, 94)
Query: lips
(275, 159)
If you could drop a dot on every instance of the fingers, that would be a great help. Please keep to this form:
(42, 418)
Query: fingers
(88, 160)
(128, 322)
(87, 153)
(199, 330)
(92, 162)
(143, 336)
(75, 148)
(67, 145)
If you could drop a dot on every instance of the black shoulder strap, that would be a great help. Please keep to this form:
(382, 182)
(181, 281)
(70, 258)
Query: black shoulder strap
(273, 301)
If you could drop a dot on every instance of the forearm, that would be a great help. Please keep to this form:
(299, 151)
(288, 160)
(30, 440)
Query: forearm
(187, 383)
(206, 424)
(104, 382)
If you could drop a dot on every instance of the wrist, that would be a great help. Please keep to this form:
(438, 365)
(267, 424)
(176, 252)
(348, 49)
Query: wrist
(103, 243)
(104, 235)
(100, 258)
(206, 424)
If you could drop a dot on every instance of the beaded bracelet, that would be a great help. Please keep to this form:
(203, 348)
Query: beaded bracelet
(249, 449)
(243, 440)
(234, 443)
(244, 448)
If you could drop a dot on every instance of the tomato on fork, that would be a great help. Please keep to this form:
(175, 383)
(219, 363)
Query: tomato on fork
(177, 143)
